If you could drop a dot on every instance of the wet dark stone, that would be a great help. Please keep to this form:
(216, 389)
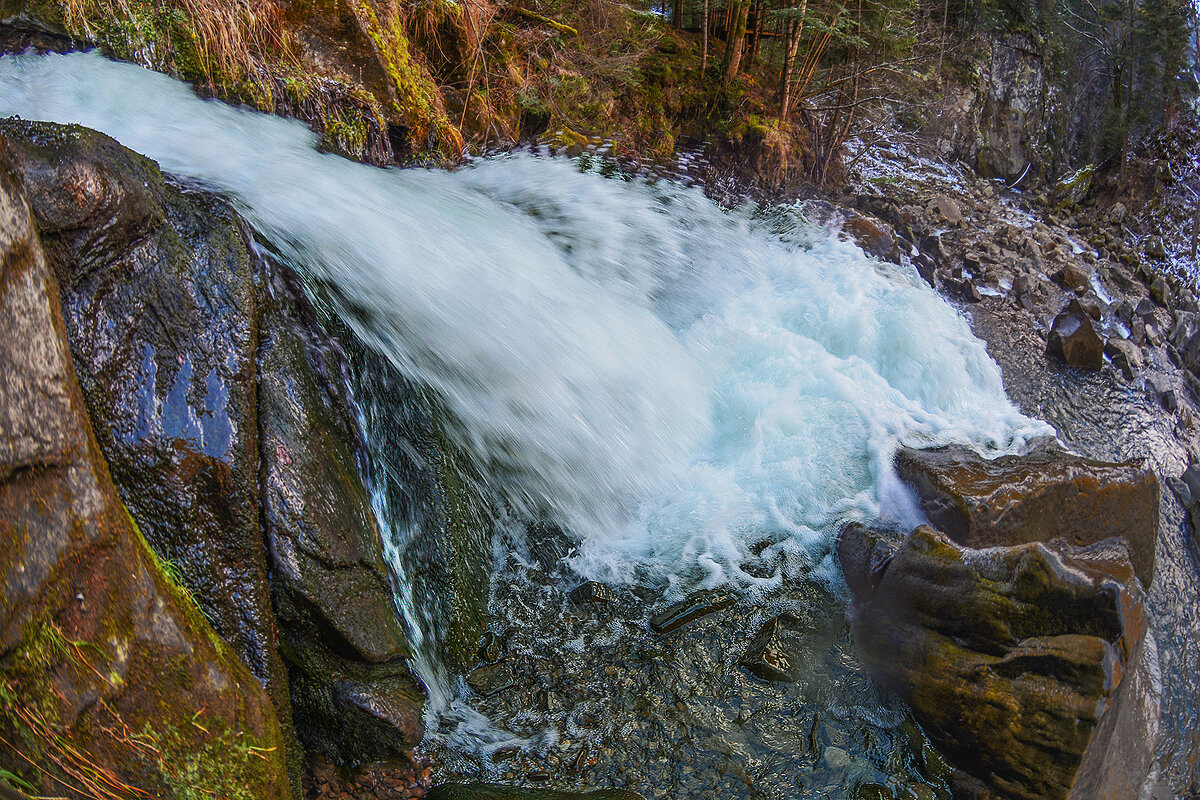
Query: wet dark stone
(490, 647)
(771, 655)
(333, 594)
(1073, 338)
(693, 607)
(430, 491)
(222, 408)
(490, 679)
(967, 290)
(591, 592)
(99, 643)
(158, 297)
(1125, 355)
(1043, 495)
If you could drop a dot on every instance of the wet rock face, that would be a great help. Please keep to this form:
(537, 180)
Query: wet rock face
(222, 407)
(440, 523)
(1027, 665)
(1038, 497)
(94, 638)
(339, 629)
(159, 302)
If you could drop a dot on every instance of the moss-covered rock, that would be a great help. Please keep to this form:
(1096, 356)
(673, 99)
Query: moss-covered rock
(109, 675)
(224, 410)
(158, 296)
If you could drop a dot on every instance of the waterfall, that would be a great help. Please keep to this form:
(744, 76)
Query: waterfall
(670, 381)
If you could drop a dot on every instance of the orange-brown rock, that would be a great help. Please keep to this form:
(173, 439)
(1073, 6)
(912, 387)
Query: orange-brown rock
(1037, 497)
(1028, 666)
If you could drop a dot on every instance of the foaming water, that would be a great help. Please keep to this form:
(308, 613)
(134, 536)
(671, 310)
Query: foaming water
(672, 382)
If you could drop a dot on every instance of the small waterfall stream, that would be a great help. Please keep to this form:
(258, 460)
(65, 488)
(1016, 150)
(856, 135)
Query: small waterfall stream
(673, 383)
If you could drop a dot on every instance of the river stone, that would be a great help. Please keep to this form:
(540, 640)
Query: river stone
(157, 290)
(1072, 277)
(1126, 356)
(1045, 494)
(1028, 666)
(1073, 338)
(946, 210)
(96, 639)
(490, 679)
(693, 607)
(591, 592)
(873, 235)
(340, 632)
(491, 791)
(771, 656)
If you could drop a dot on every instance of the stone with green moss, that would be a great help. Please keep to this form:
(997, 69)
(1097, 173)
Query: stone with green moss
(109, 676)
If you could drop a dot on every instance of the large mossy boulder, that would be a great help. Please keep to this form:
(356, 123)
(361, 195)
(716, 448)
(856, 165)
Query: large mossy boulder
(1045, 494)
(112, 682)
(158, 297)
(224, 410)
(1028, 666)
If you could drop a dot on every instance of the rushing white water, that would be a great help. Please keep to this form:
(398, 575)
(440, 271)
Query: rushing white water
(672, 381)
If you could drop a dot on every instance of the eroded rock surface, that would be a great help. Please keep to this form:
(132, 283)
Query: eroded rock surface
(1037, 497)
(1029, 666)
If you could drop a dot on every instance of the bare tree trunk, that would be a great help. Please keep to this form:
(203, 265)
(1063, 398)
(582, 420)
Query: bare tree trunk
(756, 37)
(736, 39)
(704, 42)
(675, 14)
(795, 29)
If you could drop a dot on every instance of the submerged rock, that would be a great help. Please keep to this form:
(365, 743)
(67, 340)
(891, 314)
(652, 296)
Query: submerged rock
(1037, 497)
(771, 656)
(1027, 665)
(1073, 338)
(591, 592)
(693, 607)
(109, 671)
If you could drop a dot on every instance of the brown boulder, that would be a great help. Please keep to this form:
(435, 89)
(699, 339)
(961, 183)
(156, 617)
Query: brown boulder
(1044, 495)
(113, 681)
(1028, 666)
(874, 236)
(1073, 338)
